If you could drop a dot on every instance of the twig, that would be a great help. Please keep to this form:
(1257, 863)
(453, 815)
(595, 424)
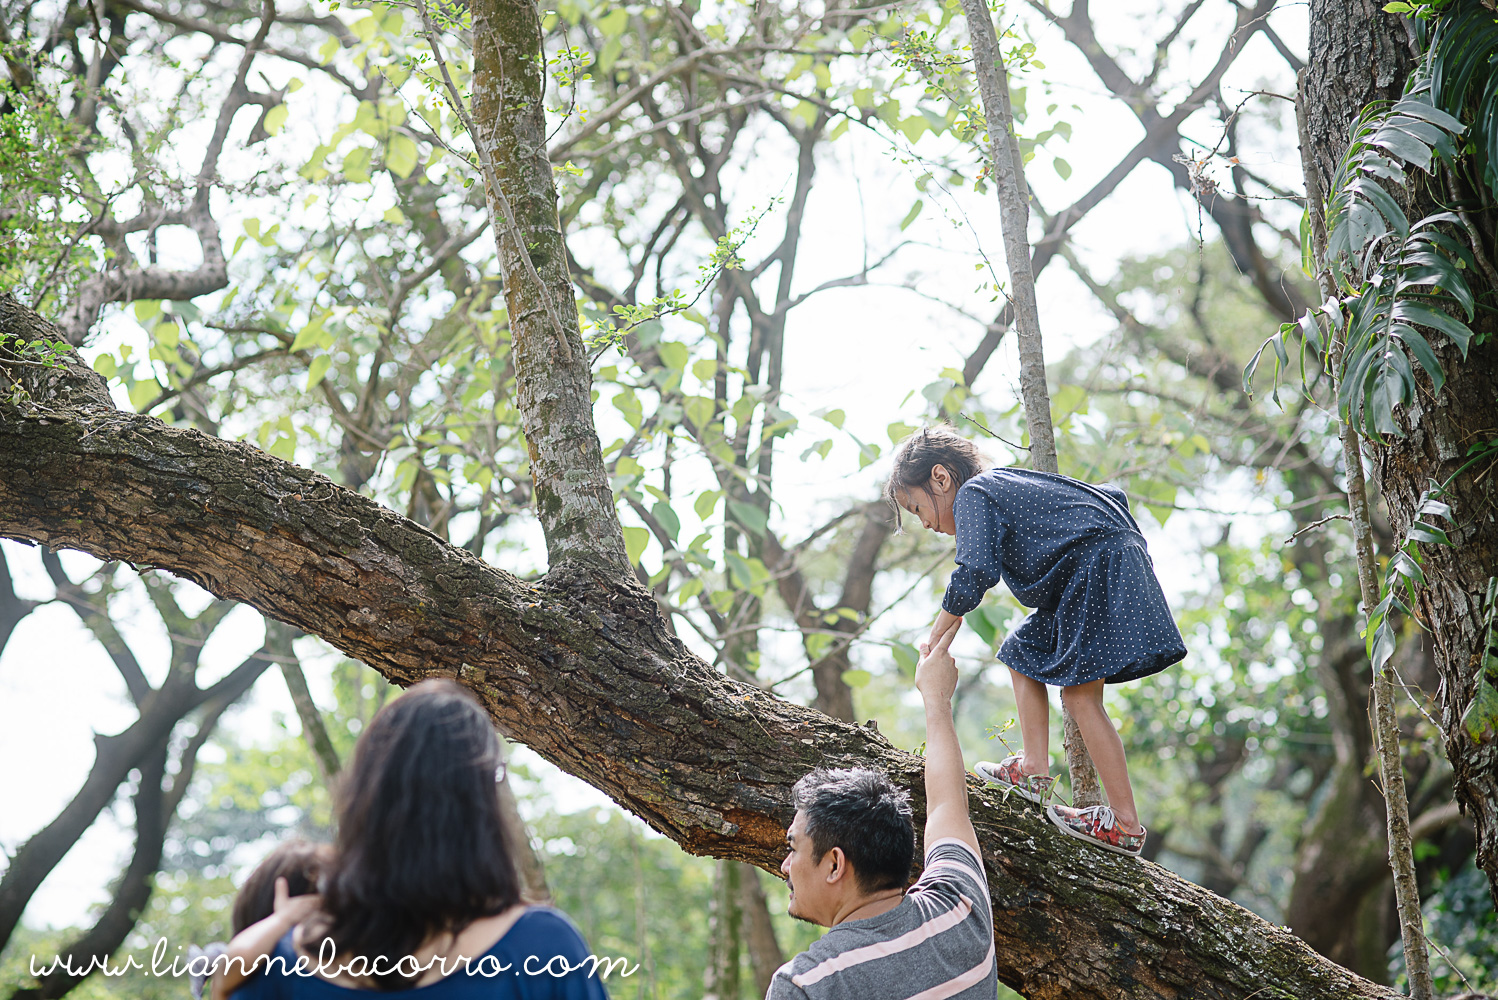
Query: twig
(1315, 525)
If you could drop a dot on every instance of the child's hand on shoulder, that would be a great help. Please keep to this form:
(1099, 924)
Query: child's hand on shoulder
(291, 910)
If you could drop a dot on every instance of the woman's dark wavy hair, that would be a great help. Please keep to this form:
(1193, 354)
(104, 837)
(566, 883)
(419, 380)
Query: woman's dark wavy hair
(421, 847)
(923, 451)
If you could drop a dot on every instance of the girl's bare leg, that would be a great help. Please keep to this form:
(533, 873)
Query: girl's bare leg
(1085, 702)
(1034, 709)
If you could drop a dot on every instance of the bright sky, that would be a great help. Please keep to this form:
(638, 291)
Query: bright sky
(861, 349)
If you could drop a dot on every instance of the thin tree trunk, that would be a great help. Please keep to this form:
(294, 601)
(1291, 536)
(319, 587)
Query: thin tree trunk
(1014, 212)
(1385, 723)
(725, 933)
(313, 730)
(765, 955)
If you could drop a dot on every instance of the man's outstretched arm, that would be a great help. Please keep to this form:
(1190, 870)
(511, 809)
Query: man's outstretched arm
(946, 778)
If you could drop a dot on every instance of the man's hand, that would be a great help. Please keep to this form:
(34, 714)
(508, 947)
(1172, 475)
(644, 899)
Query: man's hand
(936, 674)
(946, 779)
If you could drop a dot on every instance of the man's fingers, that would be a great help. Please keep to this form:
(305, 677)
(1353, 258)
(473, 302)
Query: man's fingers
(945, 642)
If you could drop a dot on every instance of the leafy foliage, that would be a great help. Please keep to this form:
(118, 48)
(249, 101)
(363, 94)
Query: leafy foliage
(1464, 77)
(1376, 320)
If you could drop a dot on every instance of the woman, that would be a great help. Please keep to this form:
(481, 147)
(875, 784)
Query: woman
(423, 894)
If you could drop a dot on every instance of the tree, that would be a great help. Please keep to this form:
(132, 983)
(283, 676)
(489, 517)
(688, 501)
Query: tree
(1435, 437)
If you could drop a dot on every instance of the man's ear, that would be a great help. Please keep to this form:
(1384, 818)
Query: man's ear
(839, 867)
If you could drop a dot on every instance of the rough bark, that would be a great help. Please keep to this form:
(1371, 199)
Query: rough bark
(573, 497)
(1360, 54)
(580, 666)
(1014, 212)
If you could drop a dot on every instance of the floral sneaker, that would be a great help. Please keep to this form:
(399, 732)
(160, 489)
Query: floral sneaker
(1097, 825)
(1008, 774)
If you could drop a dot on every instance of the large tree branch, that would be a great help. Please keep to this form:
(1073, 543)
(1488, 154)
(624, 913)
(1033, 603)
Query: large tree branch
(580, 666)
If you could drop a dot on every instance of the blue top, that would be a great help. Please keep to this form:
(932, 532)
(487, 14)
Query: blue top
(541, 957)
(1031, 529)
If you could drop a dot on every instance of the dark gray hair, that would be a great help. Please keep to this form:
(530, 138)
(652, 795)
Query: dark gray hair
(865, 814)
(922, 452)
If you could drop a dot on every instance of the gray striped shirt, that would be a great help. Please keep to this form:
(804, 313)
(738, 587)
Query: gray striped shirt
(937, 944)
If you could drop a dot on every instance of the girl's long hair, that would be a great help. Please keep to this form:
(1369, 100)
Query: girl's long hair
(421, 847)
(922, 452)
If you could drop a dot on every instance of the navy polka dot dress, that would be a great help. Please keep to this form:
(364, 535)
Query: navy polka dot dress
(1074, 553)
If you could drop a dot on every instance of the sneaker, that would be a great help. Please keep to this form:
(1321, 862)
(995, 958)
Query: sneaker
(1007, 774)
(1097, 825)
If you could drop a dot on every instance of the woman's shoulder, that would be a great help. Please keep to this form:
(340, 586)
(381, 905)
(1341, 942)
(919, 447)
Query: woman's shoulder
(547, 923)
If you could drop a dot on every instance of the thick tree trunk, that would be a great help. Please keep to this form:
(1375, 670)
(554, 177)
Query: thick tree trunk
(580, 667)
(1360, 54)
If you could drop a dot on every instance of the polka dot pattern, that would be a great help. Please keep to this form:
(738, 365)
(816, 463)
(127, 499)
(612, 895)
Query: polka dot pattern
(1074, 553)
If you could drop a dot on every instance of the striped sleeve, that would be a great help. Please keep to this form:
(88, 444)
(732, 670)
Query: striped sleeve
(781, 986)
(953, 868)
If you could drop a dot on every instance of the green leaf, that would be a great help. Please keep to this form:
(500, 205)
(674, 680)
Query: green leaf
(614, 22)
(356, 164)
(857, 678)
(706, 503)
(706, 369)
(1422, 532)
(1414, 312)
(910, 216)
(1063, 169)
(275, 119)
(1481, 717)
(667, 516)
(309, 335)
(635, 541)
(400, 156)
(698, 410)
(749, 517)
(1420, 348)
(673, 355)
(143, 393)
(833, 417)
(317, 369)
(738, 570)
(899, 431)
(982, 624)
(906, 657)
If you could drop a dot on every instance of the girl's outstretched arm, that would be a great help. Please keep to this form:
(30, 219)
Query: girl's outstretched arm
(945, 623)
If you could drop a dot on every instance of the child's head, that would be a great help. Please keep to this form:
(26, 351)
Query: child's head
(930, 466)
(299, 862)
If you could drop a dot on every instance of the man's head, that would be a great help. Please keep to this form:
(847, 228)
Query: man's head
(852, 838)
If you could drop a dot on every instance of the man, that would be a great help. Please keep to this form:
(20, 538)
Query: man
(850, 849)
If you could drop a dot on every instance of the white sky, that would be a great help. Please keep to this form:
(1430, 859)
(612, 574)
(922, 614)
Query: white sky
(861, 349)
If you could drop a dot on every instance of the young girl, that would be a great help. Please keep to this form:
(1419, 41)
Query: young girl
(1072, 552)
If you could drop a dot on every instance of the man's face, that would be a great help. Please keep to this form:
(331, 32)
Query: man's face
(811, 893)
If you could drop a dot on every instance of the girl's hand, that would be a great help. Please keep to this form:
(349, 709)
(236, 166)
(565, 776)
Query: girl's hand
(291, 909)
(944, 626)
